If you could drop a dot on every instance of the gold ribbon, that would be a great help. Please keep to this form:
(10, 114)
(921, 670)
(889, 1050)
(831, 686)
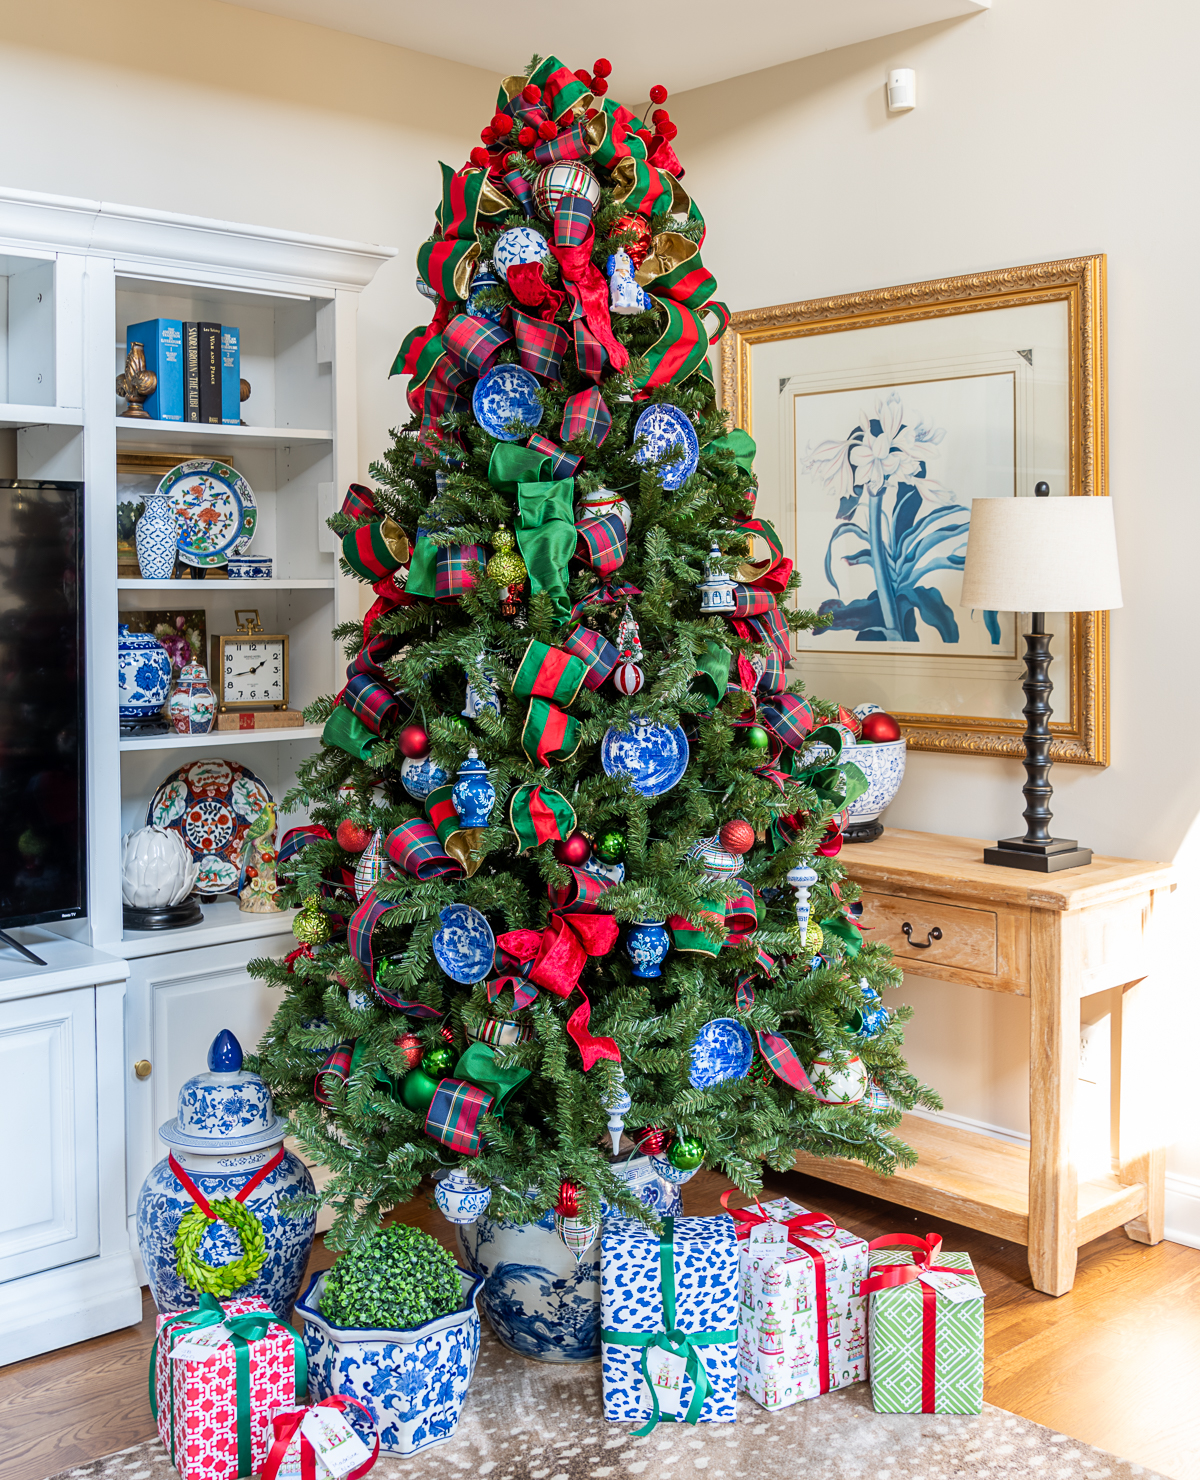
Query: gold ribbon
(396, 540)
(667, 251)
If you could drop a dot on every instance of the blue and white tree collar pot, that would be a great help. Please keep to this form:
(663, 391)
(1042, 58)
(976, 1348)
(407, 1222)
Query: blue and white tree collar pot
(413, 1381)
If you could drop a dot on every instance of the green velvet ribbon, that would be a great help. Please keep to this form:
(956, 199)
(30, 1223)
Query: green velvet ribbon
(712, 675)
(242, 1330)
(345, 730)
(671, 1339)
(545, 523)
(741, 444)
(422, 568)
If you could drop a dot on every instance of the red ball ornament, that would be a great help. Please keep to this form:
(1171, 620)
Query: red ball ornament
(880, 728)
(737, 836)
(526, 137)
(548, 130)
(411, 1048)
(599, 86)
(413, 742)
(352, 836)
(639, 248)
(628, 679)
(574, 850)
(531, 92)
(480, 157)
(654, 1140)
(602, 67)
(448, 1034)
(658, 93)
(568, 1200)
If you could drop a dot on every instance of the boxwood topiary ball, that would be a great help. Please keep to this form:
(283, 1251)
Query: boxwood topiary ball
(399, 1279)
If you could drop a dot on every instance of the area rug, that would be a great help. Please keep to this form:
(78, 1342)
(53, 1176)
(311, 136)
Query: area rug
(528, 1420)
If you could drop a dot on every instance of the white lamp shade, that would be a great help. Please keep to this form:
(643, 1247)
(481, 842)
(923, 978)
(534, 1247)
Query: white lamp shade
(1041, 555)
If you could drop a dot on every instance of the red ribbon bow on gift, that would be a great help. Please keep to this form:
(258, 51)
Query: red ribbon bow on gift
(925, 1252)
(285, 1426)
(554, 958)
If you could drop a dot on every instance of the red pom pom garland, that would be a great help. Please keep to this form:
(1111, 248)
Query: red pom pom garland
(488, 135)
(659, 117)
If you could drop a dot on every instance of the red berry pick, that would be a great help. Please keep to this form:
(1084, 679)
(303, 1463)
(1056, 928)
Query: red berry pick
(658, 93)
(502, 123)
(488, 135)
(584, 76)
(480, 157)
(602, 67)
(532, 93)
(526, 137)
(659, 117)
(547, 130)
(599, 86)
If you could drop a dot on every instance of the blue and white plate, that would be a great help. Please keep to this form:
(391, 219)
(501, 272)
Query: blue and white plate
(506, 394)
(419, 777)
(214, 509)
(652, 756)
(665, 427)
(465, 946)
(723, 1050)
(518, 244)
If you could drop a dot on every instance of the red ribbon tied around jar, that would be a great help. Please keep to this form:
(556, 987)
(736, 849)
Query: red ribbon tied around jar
(554, 958)
(925, 1252)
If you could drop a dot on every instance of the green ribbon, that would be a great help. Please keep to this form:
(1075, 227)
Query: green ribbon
(671, 1339)
(478, 1064)
(712, 675)
(545, 523)
(849, 935)
(741, 444)
(243, 1329)
(348, 733)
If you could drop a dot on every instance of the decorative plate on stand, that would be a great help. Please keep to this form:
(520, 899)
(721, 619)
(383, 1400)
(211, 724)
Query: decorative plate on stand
(215, 510)
(210, 803)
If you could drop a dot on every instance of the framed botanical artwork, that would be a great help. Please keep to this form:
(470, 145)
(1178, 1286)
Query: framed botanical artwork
(878, 417)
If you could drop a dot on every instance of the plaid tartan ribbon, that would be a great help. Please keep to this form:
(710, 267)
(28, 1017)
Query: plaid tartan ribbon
(739, 916)
(417, 849)
(539, 814)
(454, 1114)
(749, 602)
(296, 839)
(473, 344)
(572, 220)
(359, 502)
(374, 550)
(580, 895)
(789, 717)
(603, 544)
(554, 958)
(540, 347)
(563, 463)
(590, 354)
(443, 396)
(596, 651)
(336, 1066)
(604, 595)
(586, 415)
(777, 1052)
(371, 657)
(585, 282)
(370, 701)
(548, 673)
(549, 734)
(772, 680)
(360, 936)
(454, 574)
(570, 144)
(770, 627)
(522, 190)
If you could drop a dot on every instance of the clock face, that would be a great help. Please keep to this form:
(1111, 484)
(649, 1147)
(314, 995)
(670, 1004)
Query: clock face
(253, 671)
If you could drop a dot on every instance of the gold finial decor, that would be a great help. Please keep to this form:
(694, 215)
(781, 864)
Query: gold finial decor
(136, 382)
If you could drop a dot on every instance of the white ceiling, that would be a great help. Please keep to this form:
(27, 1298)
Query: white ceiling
(679, 46)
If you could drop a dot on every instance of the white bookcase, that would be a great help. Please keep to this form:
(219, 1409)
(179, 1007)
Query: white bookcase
(73, 275)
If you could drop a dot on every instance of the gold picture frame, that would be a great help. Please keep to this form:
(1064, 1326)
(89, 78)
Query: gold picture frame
(1080, 726)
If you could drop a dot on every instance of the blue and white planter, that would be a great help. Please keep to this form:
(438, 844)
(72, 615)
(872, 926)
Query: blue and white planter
(538, 1299)
(413, 1382)
(156, 538)
(143, 674)
(883, 766)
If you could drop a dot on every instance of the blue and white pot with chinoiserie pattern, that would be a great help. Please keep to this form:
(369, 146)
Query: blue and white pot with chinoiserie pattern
(473, 794)
(156, 538)
(143, 674)
(882, 763)
(539, 1300)
(413, 1381)
(646, 945)
(226, 1136)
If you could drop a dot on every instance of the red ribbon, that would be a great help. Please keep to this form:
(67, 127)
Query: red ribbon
(925, 1251)
(304, 952)
(529, 286)
(198, 1197)
(285, 1426)
(554, 958)
(589, 288)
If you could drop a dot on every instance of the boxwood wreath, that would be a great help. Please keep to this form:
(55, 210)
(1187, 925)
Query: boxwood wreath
(399, 1280)
(220, 1280)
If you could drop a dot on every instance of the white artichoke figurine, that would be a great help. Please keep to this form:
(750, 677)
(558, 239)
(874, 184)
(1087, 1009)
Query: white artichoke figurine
(157, 869)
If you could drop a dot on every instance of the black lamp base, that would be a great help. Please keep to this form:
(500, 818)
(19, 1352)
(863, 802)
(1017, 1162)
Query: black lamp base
(1042, 858)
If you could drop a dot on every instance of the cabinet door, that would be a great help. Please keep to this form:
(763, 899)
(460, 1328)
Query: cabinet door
(177, 1004)
(49, 1213)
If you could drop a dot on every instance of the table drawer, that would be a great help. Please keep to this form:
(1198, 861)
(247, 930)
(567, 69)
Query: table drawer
(924, 933)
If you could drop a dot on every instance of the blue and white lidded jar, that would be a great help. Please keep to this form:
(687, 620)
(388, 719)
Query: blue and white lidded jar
(143, 674)
(225, 1136)
(647, 945)
(473, 796)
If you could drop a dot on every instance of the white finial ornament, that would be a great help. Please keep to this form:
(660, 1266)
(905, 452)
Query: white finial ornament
(716, 589)
(802, 878)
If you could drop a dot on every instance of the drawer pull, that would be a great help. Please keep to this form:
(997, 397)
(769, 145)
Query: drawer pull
(930, 937)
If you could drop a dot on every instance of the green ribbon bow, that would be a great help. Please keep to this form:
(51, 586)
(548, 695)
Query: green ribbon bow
(545, 523)
(671, 1339)
(243, 1329)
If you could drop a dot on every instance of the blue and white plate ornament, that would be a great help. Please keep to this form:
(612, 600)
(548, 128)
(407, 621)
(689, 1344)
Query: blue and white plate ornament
(419, 777)
(665, 427)
(718, 862)
(652, 756)
(723, 1050)
(484, 278)
(425, 290)
(464, 947)
(518, 244)
(506, 394)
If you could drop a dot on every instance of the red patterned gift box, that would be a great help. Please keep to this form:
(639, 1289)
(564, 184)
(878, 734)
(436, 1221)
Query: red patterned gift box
(214, 1411)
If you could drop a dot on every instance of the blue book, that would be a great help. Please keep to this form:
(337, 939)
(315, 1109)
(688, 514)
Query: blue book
(162, 342)
(231, 376)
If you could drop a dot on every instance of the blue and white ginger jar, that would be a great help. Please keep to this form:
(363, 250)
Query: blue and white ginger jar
(646, 945)
(226, 1131)
(143, 674)
(473, 796)
(413, 1382)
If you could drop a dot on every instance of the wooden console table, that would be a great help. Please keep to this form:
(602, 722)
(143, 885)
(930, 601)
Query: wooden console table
(1053, 938)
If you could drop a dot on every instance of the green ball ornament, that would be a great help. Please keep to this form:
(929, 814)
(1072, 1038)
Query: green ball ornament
(417, 1090)
(438, 1061)
(310, 926)
(686, 1153)
(757, 738)
(610, 846)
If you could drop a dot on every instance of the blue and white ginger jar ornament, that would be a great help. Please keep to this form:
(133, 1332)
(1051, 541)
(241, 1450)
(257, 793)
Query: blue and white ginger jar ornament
(646, 945)
(473, 796)
(143, 674)
(225, 1133)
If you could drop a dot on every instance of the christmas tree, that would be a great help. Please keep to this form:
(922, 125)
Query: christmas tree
(545, 880)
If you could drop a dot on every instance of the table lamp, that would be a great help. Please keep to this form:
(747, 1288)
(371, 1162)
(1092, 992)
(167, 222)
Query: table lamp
(1037, 555)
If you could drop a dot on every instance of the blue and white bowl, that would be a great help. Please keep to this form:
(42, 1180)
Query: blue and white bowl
(506, 395)
(652, 756)
(883, 766)
(143, 674)
(413, 1382)
(420, 777)
(464, 947)
(666, 427)
(723, 1049)
(250, 567)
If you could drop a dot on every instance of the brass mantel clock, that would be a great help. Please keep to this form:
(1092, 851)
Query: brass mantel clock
(250, 667)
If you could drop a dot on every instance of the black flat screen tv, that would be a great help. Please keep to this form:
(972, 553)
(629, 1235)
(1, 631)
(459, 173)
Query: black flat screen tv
(43, 813)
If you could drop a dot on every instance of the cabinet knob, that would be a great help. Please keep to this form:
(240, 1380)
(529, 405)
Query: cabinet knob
(143, 1068)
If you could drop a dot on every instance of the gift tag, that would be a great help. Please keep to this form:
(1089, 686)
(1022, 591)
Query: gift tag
(952, 1286)
(768, 1233)
(200, 1344)
(666, 1378)
(334, 1442)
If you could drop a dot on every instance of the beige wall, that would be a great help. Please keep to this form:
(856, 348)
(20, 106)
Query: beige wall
(1043, 130)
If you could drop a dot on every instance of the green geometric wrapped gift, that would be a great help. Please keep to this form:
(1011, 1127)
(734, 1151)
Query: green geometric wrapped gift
(924, 1327)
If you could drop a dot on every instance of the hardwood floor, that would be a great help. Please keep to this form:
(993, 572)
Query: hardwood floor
(1113, 1363)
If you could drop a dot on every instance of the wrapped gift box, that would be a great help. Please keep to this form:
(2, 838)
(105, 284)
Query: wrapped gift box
(781, 1353)
(703, 1258)
(924, 1362)
(197, 1397)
